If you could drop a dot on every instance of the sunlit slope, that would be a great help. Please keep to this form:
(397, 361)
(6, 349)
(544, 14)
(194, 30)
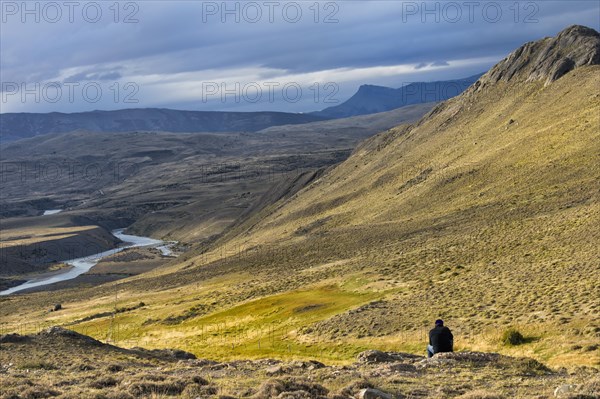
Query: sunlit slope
(486, 213)
(513, 151)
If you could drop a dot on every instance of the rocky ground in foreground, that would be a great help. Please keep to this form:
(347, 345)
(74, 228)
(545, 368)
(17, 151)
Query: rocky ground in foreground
(64, 364)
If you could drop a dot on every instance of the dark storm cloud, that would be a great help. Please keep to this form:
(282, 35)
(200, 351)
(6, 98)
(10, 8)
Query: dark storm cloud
(166, 45)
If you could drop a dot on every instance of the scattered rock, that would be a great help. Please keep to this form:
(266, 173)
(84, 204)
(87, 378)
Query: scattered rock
(276, 370)
(375, 356)
(308, 365)
(478, 357)
(201, 362)
(354, 388)
(402, 368)
(434, 362)
(167, 353)
(372, 393)
(564, 390)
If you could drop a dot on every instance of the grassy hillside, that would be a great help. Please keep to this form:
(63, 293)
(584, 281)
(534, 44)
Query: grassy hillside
(484, 213)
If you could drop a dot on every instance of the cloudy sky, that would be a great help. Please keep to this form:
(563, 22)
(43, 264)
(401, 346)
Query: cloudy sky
(247, 56)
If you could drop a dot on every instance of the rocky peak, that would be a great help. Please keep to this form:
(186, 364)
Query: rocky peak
(549, 59)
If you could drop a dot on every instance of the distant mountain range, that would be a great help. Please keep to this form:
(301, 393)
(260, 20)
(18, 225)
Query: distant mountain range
(371, 99)
(368, 100)
(14, 126)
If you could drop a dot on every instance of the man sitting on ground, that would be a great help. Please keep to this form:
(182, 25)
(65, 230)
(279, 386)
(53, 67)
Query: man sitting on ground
(440, 339)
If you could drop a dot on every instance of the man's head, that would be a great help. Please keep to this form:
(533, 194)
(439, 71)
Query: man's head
(439, 323)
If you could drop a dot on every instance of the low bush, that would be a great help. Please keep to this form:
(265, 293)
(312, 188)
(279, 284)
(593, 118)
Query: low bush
(512, 337)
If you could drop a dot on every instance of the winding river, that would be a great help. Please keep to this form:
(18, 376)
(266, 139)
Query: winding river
(82, 265)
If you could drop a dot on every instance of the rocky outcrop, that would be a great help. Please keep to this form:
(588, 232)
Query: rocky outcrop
(475, 357)
(375, 356)
(12, 338)
(57, 332)
(548, 59)
(174, 354)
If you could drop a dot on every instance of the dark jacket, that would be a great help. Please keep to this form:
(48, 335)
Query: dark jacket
(441, 339)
